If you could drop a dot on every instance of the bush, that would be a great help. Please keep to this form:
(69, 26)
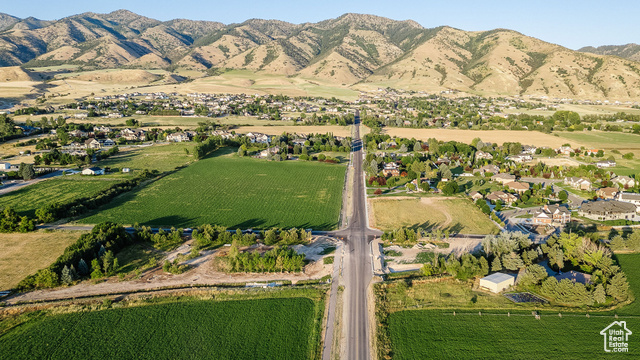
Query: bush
(328, 260)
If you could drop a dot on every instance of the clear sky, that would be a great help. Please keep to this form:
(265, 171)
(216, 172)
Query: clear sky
(570, 23)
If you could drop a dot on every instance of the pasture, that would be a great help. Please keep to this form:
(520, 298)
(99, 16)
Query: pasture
(276, 328)
(624, 142)
(157, 157)
(447, 213)
(235, 192)
(26, 200)
(24, 254)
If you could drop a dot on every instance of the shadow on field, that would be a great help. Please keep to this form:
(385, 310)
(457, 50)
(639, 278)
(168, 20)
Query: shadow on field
(262, 224)
(176, 221)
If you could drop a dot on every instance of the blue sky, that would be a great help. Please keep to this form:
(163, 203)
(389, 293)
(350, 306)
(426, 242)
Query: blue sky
(569, 23)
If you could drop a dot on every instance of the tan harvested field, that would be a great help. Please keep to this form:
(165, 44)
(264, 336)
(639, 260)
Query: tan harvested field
(495, 136)
(25, 254)
(559, 161)
(277, 130)
(447, 213)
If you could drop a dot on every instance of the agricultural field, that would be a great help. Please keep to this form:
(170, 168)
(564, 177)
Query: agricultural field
(336, 130)
(571, 336)
(26, 200)
(285, 328)
(495, 136)
(157, 157)
(24, 254)
(235, 192)
(624, 142)
(447, 213)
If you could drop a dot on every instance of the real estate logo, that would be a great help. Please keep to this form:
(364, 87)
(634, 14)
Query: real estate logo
(616, 337)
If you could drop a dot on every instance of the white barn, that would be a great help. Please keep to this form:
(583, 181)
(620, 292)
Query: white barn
(497, 282)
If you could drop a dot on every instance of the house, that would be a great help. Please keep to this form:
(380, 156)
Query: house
(630, 198)
(107, 142)
(605, 164)
(391, 169)
(493, 169)
(483, 155)
(520, 158)
(77, 133)
(529, 149)
(503, 178)
(265, 153)
(578, 183)
(624, 182)
(93, 171)
(607, 193)
(126, 170)
(565, 150)
(518, 186)
(92, 144)
(5, 166)
(552, 215)
(133, 135)
(502, 196)
(102, 129)
(575, 276)
(178, 137)
(497, 282)
(475, 196)
(607, 210)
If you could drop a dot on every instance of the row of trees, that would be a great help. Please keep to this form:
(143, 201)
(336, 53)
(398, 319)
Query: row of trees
(278, 259)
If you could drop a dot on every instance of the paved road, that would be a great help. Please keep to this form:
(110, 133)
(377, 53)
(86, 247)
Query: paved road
(357, 262)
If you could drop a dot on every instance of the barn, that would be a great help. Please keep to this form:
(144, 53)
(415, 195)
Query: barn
(497, 282)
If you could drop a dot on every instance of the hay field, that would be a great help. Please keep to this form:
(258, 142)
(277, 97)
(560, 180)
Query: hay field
(495, 136)
(25, 254)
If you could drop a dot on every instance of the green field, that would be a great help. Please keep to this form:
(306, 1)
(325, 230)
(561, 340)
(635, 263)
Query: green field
(235, 192)
(437, 334)
(243, 329)
(156, 157)
(28, 199)
(624, 142)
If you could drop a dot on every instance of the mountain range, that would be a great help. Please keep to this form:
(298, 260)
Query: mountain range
(350, 50)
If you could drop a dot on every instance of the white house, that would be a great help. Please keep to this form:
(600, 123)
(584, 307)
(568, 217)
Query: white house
(93, 171)
(5, 166)
(497, 282)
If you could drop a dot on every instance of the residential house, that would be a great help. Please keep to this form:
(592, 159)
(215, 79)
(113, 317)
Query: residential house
(552, 215)
(93, 171)
(565, 150)
(607, 210)
(575, 276)
(624, 182)
(272, 150)
(493, 169)
(483, 155)
(475, 196)
(133, 135)
(504, 197)
(631, 198)
(391, 169)
(518, 186)
(102, 129)
(92, 144)
(607, 193)
(77, 133)
(503, 178)
(529, 149)
(605, 164)
(5, 166)
(106, 142)
(178, 137)
(520, 158)
(578, 183)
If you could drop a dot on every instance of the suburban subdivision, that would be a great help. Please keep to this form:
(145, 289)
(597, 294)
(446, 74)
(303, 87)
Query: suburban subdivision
(357, 188)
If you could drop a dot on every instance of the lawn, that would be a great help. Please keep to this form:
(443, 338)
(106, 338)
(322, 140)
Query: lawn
(235, 192)
(244, 329)
(157, 157)
(27, 200)
(24, 254)
(454, 214)
(495, 335)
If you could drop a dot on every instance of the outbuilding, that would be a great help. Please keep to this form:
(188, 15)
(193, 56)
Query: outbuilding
(497, 282)
(93, 171)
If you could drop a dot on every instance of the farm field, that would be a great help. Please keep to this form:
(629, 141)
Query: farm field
(284, 328)
(235, 192)
(157, 157)
(571, 336)
(454, 214)
(24, 254)
(624, 142)
(495, 136)
(25, 201)
(336, 130)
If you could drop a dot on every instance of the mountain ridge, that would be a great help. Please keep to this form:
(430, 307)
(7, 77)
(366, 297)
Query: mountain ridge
(350, 49)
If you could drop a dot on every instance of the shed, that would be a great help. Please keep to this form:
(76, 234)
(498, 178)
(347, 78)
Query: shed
(497, 282)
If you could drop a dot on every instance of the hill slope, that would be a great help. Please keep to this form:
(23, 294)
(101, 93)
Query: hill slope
(628, 51)
(364, 50)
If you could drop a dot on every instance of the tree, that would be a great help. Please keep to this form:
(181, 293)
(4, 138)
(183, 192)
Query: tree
(96, 272)
(46, 278)
(107, 262)
(534, 275)
(484, 266)
(27, 172)
(83, 268)
(374, 166)
(417, 146)
(496, 265)
(618, 287)
(599, 295)
(66, 275)
(512, 261)
(563, 195)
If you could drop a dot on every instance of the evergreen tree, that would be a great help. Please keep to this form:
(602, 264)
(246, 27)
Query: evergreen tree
(496, 265)
(66, 275)
(83, 268)
(484, 266)
(618, 287)
(101, 252)
(96, 272)
(599, 295)
(107, 262)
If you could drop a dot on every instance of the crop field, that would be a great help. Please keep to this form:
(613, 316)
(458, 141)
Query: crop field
(453, 214)
(243, 329)
(24, 254)
(235, 192)
(25, 201)
(157, 157)
(495, 136)
(624, 142)
(469, 335)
